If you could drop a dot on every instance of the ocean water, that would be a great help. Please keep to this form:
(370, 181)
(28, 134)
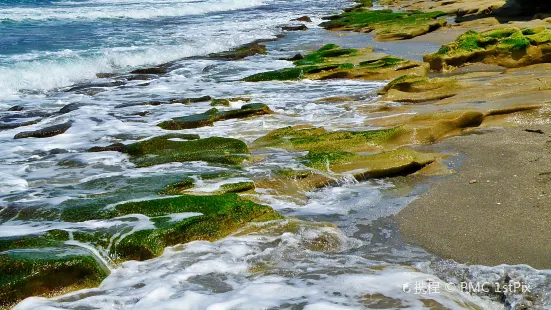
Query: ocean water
(51, 53)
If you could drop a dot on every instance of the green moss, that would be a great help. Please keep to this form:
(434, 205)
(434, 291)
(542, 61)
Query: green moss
(160, 150)
(220, 102)
(327, 51)
(494, 46)
(35, 272)
(177, 188)
(399, 24)
(288, 74)
(385, 62)
(318, 139)
(222, 215)
(237, 187)
(213, 115)
(50, 238)
(323, 160)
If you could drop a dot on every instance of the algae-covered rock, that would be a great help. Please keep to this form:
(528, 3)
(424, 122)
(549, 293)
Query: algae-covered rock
(46, 271)
(245, 50)
(305, 138)
(292, 183)
(237, 187)
(508, 47)
(388, 25)
(220, 102)
(334, 62)
(402, 161)
(417, 89)
(178, 187)
(51, 238)
(165, 149)
(213, 115)
(220, 216)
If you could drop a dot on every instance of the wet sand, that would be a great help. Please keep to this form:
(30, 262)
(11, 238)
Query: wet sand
(497, 208)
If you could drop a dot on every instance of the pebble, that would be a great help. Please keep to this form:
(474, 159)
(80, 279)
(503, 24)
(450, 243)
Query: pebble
(472, 181)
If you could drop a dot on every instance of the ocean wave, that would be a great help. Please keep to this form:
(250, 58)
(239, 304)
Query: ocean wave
(123, 10)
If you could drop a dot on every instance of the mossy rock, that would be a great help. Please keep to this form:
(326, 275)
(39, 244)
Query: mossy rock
(46, 271)
(50, 238)
(508, 47)
(293, 183)
(221, 215)
(243, 51)
(415, 89)
(304, 138)
(398, 162)
(220, 102)
(388, 25)
(213, 115)
(178, 187)
(237, 187)
(162, 150)
(333, 62)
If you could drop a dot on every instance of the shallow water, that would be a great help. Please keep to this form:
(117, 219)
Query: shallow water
(362, 263)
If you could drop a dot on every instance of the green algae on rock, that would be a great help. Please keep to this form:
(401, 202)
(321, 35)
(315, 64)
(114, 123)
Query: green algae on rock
(334, 62)
(237, 187)
(388, 25)
(508, 47)
(213, 115)
(402, 161)
(220, 216)
(46, 271)
(305, 138)
(163, 149)
(52, 238)
(415, 89)
(241, 52)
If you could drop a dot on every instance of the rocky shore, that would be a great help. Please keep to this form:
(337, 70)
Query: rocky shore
(483, 96)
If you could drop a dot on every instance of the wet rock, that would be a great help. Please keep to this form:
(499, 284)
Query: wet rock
(213, 115)
(507, 47)
(58, 151)
(387, 164)
(85, 87)
(236, 187)
(162, 69)
(45, 132)
(306, 138)
(140, 77)
(332, 61)
(17, 108)
(44, 271)
(219, 216)
(304, 18)
(142, 113)
(220, 102)
(294, 58)
(178, 188)
(12, 125)
(191, 100)
(71, 107)
(417, 89)
(169, 148)
(386, 24)
(301, 27)
(184, 100)
(106, 75)
(292, 183)
(241, 52)
(116, 147)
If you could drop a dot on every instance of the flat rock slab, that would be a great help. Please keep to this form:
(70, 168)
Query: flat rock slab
(45, 132)
(502, 218)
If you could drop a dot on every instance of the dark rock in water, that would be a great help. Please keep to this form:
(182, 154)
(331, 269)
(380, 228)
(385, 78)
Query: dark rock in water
(142, 113)
(106, 75)
(173, 148)
(16, 125)
(241, 52)
(214, 115)
(304, 18)
(43, 271)
(116, 147)
(45, 132)
(140, 77)
(296, 57)
(89, 86)
(71, 107)
(191, 100)
(300, 27)
(16, 108)
(14, 120)
(57, 151)
(162, 69)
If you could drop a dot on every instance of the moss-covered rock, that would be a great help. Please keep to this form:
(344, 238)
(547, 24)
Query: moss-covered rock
(164, 149)
(508, 47)
(402, 161)
(334, 62)
(50, 238)
(243, 51)
(237, 187)
(221, 215)
(45, 132)
(46, 271)
(220, 102)
(388, 25)
(213, 115)
(305, 138)
(417, 89)
(178, 187)
(292, 183)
